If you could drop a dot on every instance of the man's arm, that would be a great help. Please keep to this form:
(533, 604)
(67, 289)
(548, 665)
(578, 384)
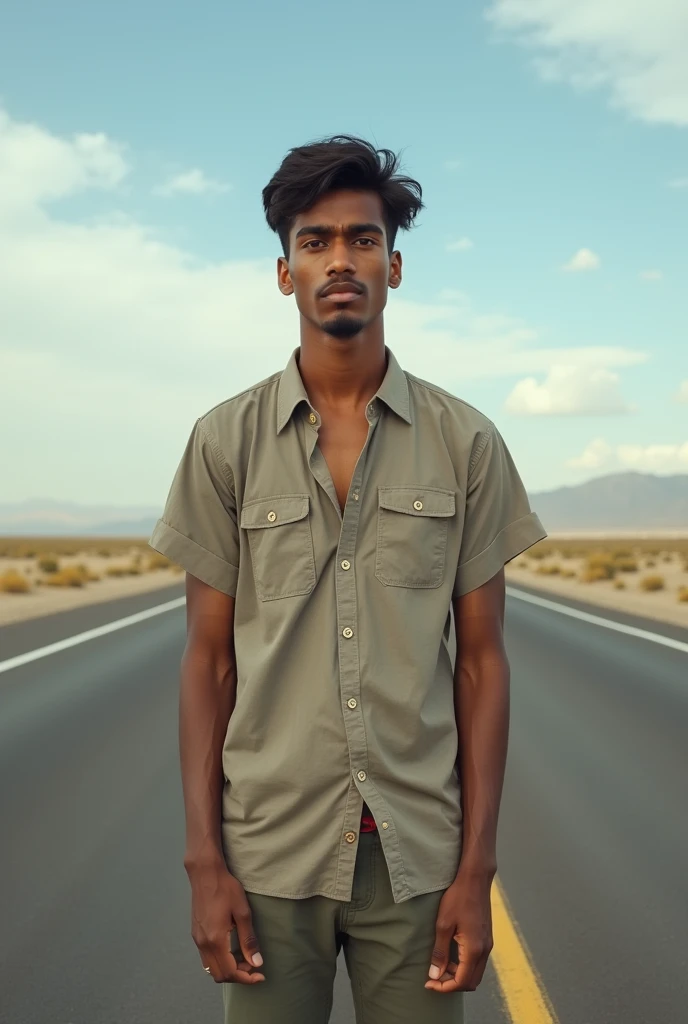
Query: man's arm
(481, 700)
(206, 702)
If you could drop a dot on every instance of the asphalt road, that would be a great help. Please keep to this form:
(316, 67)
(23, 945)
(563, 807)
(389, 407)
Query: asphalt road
(593, 843)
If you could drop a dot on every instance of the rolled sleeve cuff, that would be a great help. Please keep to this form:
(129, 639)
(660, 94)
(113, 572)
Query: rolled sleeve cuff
(510, 542)
(194, 558)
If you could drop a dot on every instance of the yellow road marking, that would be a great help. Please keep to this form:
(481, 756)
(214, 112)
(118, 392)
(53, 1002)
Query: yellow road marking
(522, 989)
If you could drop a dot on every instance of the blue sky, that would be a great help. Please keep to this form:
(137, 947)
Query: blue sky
(137, 274)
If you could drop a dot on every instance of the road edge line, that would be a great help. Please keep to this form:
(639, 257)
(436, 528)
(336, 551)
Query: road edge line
(523, 991)
(89, 634)
(598, 620)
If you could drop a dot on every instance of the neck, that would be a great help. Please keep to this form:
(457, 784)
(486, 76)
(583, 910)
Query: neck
(342, 374)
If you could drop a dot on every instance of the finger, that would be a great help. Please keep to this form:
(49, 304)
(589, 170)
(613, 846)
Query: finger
(440, 952)
(243, 921)
(463, 977)
(445, 983)
(224, 967)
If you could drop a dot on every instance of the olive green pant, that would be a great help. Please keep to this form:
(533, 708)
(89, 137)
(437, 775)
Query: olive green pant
(387, 948)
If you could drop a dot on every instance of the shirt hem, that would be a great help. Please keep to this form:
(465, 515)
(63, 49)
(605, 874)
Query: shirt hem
(195, 559)
(259, 891)
(510, 542)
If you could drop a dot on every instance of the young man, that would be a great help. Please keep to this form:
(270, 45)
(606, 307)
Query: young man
(342, 771)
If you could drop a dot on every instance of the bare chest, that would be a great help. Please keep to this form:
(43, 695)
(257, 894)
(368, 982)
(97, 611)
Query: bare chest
(341, 442)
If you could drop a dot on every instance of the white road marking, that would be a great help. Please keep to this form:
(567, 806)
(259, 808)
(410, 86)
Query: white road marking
(90, 634)
(597, 620)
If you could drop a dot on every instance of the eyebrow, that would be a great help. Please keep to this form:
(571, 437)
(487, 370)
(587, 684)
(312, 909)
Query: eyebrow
(330, 229)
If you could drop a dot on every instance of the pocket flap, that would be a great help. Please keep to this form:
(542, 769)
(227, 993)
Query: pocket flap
(418, 501)
(278, 510)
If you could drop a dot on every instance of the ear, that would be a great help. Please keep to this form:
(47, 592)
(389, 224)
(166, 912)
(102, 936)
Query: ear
(394, 279)
(284, 277)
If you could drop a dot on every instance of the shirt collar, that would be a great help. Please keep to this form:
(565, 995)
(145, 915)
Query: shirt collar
(394, 390)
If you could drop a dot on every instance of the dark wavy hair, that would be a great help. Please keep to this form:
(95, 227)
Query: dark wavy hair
(338, 162)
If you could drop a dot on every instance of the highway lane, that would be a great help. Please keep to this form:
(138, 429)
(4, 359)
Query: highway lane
(592, 847)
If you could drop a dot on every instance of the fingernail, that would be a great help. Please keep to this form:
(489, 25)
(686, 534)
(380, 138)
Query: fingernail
(257, 960)
(434, 972)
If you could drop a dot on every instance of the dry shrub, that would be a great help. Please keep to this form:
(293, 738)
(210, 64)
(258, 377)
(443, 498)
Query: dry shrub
(13, 582)
(653, 582)
(626, 564)
(650, 563)
(158, 561)
(549, 570)
(594, 574)
(683, 593)
(599, 566)
(668, 558)
(568, 573)
(48, 564)
(104, 553)
(619, 585)
(117, 570)
(70, 576)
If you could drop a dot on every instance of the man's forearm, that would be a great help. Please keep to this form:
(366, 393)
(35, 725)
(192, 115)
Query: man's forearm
(206, 702)
(482, 707)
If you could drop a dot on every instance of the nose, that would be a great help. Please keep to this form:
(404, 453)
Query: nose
(341, 258)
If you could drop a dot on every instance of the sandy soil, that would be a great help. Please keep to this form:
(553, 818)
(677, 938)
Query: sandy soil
(662, 605)
(44, 600)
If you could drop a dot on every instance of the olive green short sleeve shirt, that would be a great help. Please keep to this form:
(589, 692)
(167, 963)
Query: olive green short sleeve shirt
(342, 621)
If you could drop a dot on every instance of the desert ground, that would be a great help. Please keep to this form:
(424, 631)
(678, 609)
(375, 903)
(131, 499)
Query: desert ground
(39, 576)
(647, 577)
(643, 576)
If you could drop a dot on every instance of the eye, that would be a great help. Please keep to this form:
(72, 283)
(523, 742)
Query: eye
(313, 241)
(366, 240)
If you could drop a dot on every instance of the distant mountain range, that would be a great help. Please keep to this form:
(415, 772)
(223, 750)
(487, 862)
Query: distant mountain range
(618, 501)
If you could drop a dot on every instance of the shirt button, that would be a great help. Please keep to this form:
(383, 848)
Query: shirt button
(346, 564)
(348, 633)
(385, 824)
(272, 516)
(362, 776)
(355, 495)
(352, 702)
(418, 505)
(312, 418)
(350, 837)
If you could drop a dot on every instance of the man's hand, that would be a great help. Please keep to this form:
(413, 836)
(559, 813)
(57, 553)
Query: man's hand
(464, 914)
(218, 905)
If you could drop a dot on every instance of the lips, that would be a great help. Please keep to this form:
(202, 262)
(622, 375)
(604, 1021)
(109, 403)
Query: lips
(342, 292)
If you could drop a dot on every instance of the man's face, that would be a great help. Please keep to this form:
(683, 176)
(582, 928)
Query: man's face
(340, 241)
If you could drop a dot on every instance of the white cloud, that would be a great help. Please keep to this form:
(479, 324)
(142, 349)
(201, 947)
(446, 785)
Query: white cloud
(636, 52)
(569, 391)
(678, 183)
(598, 453)
(682, 394)
(651, 275)
(649, 458)
(193, 182)
(460, 245)
(37, 168)
(584, 259)
(113, 340)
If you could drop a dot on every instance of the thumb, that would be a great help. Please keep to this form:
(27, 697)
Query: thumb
(440, 954)
(246, 935)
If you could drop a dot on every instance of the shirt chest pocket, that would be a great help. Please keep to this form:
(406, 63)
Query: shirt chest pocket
(412, 530)
(281, 544)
